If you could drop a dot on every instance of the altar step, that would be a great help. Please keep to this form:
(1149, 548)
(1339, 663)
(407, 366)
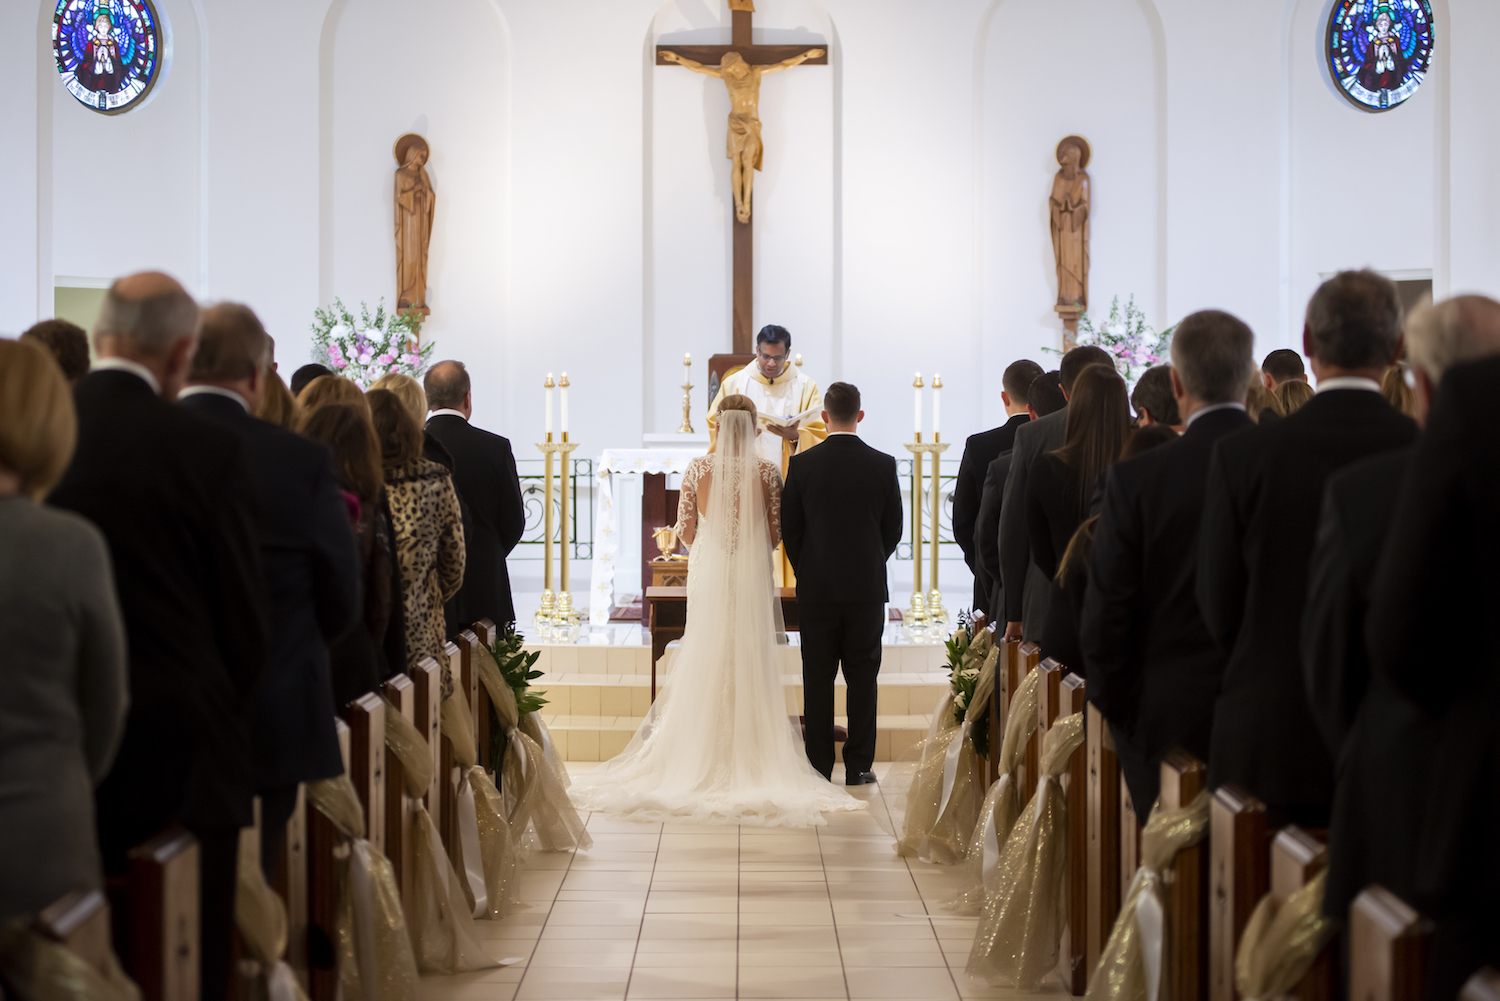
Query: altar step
(599, 738)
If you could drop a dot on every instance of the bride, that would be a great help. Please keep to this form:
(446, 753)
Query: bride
(717, 745)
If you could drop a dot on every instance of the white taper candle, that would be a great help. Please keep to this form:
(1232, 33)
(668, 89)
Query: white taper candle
(937, 405)
(547, 394)
(563, 393)
(917, 405)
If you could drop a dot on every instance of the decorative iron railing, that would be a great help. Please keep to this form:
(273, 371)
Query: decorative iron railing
(947, 548)
(580, 512)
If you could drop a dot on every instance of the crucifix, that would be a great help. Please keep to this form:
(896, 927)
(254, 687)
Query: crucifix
(741, 64)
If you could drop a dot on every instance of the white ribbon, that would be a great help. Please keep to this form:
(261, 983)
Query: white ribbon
(468, 838)
(281, 983)
(364, 917)
(1150, 918)
(950, 765)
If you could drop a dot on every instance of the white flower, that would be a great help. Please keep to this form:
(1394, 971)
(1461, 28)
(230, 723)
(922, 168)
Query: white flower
(962, 700)
(339, 332)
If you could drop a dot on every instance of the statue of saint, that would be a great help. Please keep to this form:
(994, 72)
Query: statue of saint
(1070, 222)
(743, 146)
(414, 204)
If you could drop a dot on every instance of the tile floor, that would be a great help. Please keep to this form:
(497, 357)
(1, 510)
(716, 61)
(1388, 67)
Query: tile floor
(657, 911)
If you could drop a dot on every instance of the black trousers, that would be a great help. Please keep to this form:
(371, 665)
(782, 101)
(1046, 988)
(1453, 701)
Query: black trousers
(276, 809)
(835, 634)
(218, 867)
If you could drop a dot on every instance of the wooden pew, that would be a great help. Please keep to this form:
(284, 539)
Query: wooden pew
(1239, 875)
(154, 916)
(468, 641)
(1185, 954)
(366, 761)
(290, 883)
(1102, 827)
(1030, 656)
(323, 892)
(1006, 676)
(1388, 944)
(1296, 859)
(1484, 985)
(79, 920)
(1131, 824)
(400, 698)
(427, 698)
(1061, 695)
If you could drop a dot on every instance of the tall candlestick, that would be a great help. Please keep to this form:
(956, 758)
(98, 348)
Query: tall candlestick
(937, 407)
(563, 392)
(547, 393)
(917, 405)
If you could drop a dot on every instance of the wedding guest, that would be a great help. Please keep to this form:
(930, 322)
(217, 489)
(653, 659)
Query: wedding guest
(428, 528)
(1290, 397)
(375, 649)
(1061, 488)
(1261, 403)
(306, 374)
(1154, 668)
(1260, 517)
(329, 389)
(1025, 587)
(68, 344)
(62, 692)
(979, 451)
(1397, 393)
(308, 557)
(1152, 399)
(278, 406)
(1282, 365)
(484, 473)
(172, 494)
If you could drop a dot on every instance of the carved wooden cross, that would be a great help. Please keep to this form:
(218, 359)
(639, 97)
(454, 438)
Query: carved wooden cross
(755, 55)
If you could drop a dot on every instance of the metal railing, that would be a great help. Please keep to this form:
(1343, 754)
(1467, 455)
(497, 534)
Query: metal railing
(947, 547)
(581, 509)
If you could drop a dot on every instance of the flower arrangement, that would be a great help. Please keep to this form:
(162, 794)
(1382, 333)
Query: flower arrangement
(1132, 342)
(370, 346)
(518, 668)
(967, 651)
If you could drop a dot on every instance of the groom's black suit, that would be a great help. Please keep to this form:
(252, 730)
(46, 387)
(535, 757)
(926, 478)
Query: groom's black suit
(841, 520)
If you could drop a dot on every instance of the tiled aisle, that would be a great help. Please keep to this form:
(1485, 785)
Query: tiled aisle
(656, 911)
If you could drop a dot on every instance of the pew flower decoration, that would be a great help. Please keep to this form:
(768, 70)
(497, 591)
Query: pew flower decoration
(1127, 338)
(367, 346)
(518, 668)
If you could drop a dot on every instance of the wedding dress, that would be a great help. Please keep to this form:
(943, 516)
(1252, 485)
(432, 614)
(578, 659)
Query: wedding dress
(718, 745)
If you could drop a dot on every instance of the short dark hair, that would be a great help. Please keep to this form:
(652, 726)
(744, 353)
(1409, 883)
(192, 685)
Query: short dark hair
(446, 384)
(1283, 364)
(772, 334)
(1146, 438)
(1354, 320)
(841, 400)
(1212, 353)
(1078, 359)
(68, 342)
(232, 344)
(1153, 395)
(1045, 395)
(1019, 375)
(306, 374)
(397, 430)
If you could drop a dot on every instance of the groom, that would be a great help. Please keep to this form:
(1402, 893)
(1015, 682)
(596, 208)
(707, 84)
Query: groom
(841, 520)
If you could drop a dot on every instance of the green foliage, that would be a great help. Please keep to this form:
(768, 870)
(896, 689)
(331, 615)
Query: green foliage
(967, 649)
(370, 346)
(518, 668)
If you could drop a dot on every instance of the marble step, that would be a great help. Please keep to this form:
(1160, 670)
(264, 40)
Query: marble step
(599, 738)
(634, 658)
(900, 694)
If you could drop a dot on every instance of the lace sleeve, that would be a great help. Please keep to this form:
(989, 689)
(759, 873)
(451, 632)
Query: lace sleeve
(770, 478)
(687, 502)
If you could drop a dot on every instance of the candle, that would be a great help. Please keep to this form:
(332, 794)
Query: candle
(687, 359)
(917, 405)
(937, 404)
(563, 391)
(547, 393)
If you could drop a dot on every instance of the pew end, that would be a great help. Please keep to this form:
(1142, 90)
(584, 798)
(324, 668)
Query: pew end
(468, 641)
(154, 916)
(322, 891)
(1185, 954)
(1484, 985)
(1297, 856)
(1030, 656)
(1239, 876)
(1388, 944)
(1064, 695)
(1103, 833)
(400, 699)
(78, 920)
(366, 761)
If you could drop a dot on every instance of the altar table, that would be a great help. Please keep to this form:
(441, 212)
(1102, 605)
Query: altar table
(666, 617)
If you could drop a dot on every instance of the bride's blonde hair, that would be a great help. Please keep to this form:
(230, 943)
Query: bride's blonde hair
(739, 402)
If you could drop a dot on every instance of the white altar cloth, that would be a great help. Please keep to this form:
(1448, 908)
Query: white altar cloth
(626, 462)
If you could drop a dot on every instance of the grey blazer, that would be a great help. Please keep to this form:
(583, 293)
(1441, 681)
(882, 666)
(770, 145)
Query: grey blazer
(62, 701)
(1025, 587)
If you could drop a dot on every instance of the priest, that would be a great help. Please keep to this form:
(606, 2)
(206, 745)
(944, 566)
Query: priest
(778, 388)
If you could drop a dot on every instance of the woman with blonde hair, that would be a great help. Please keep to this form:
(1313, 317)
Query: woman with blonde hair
(1394, 388)
(330, 389)
(63, 690)
(278, 406)
(414, 398)
(1290, 397)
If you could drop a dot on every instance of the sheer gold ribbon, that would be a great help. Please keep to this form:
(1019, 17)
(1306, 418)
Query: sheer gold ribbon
(1279, 945)
(486, 851)
(438, 914)
(1002, 804)
(533, 726)
(43, 970)
(375, 960)
(1022, 924)
(261, 918)
(1130, 966)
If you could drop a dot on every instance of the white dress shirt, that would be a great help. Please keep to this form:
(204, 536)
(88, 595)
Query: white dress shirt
(1348, 382)
(228, 394)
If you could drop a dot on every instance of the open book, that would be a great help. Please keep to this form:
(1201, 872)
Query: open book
(786, 422)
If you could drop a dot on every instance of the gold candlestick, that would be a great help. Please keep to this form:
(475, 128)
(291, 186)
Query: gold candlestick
(686, 427)
(928, 610)
(916, 612)
(547, 609)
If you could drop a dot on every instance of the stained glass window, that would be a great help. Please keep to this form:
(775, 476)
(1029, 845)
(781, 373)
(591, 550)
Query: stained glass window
(1379, 50)
(109, 52)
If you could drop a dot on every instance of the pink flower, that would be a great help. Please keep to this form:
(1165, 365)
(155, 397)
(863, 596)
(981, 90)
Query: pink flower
(340, 363)
(386, 359)
(413, 360)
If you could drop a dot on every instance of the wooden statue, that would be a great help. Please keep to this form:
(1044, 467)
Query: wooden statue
(1070, 225)
(743, 146)
(414, 207)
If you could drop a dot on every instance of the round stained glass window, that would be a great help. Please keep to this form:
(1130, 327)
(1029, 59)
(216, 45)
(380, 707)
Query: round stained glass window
(1379, 50)
(109, 52)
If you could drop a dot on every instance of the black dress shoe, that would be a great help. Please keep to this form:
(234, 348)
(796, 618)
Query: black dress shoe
(859, 778)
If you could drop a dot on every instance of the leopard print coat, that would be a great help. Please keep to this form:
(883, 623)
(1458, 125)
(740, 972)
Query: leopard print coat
(430, 547)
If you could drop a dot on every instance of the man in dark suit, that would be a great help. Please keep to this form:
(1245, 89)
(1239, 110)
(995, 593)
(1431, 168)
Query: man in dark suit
(841, 521)
(1153, 668)
(484, 472)
(1260, 516)
(979, 451)
(1383, 740)
(171, 492)
(309, 558)
(1044, 396)
(1025, 587)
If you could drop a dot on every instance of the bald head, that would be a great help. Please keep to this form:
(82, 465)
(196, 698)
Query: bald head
(447, 386)
(1440, 336)
(145, 314)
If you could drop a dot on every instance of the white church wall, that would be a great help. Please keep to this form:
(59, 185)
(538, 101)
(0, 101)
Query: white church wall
(1472, 128)
(26, 78)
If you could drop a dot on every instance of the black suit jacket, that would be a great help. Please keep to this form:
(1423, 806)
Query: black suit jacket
(1154, 670)
(484, 473)
(968, 492)
(841, 520)
(987, 535)
(172, 494)
(1026, 589)
(311, 566)
(1260, 517)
